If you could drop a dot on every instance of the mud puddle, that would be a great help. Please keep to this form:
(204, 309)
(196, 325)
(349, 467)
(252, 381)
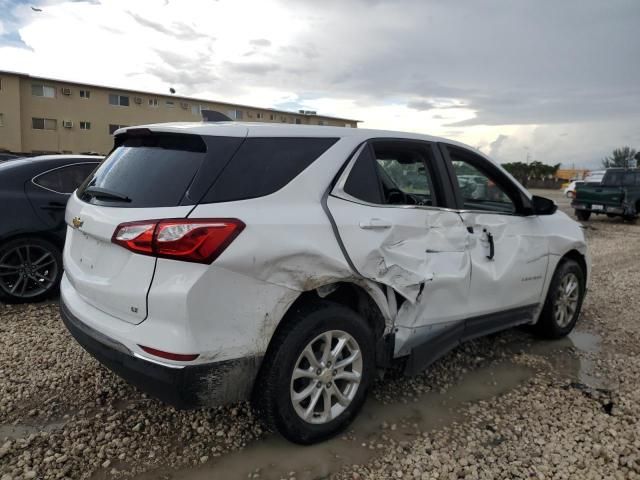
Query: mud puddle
(275, 458)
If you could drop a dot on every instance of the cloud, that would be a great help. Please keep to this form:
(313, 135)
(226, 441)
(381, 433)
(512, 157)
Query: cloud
(496, 144)
(260, 42)
(481, 72)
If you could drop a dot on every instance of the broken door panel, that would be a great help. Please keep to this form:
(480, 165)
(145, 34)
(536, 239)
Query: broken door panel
(515, 276)
(419, 252)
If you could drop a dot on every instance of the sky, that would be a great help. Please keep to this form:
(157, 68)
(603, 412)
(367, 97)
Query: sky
(553, 81)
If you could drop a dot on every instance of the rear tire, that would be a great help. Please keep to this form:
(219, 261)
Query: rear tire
(564, 301)
(30, 270)
(583, 215)
(297, 371)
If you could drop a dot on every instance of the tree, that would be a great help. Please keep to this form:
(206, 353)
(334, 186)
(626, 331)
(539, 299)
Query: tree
(530, 171)
(519, 170)
(620, 157)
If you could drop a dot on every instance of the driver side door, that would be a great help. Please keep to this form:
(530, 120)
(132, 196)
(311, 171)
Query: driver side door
(507, 244)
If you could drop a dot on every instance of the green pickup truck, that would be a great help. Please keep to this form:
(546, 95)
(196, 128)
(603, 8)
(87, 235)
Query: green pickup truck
(618, 195)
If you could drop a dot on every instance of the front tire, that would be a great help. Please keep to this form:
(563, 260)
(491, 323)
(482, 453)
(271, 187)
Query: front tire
(564, 301)
(583, 215)
(30, 270)
(316, 374)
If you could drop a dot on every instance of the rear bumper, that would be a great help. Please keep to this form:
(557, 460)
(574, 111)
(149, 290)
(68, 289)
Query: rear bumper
(605, 208)
(191, 386)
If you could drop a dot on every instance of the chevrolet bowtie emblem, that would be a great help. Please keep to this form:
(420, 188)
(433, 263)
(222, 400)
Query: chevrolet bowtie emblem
(77, 223)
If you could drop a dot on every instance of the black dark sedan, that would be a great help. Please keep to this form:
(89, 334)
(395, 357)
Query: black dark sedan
(33, 195)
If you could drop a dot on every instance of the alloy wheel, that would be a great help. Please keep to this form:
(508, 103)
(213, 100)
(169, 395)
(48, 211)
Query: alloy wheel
(326, 377)
(27, 270)
(566, 302)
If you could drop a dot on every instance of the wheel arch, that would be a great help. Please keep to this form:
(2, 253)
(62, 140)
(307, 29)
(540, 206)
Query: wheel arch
(43, 235)
(361, 299)
(577, 257)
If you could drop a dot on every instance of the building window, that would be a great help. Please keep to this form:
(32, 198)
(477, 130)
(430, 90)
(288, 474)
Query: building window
(121, 100)
(85, 125)
(153, 102)
(196, 109)
(1, 119)
(298, 121)
(44, 123)
(283, 119)
(0, 84)
(85, 94)
(39, 90)
(320, 122)
(348, 125)
(259, 115)
(272, 117)
(113, 128)
(170, 104)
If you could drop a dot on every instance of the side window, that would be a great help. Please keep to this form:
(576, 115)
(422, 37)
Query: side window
(628, 179)
(479, 190)
(612, 179)
(262, 166)
(363, 182)
(392, 173)
(65, 179)
(403, 172)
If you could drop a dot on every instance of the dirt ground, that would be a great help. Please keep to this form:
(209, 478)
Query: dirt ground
(506, 406)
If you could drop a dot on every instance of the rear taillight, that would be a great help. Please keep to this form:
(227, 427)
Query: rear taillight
(200, 240)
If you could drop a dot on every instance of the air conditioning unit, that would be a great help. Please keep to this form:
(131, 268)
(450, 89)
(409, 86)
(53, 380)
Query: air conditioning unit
(137, 100)
(67, 124)
(184, 105)
(66, 91)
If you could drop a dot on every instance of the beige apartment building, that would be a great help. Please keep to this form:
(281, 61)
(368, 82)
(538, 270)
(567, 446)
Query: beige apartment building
(43, 115)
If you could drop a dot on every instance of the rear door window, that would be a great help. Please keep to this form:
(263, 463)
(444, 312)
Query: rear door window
(262, 166)
(404, 172)
(65, 179)
(362, 182)
(151, 170)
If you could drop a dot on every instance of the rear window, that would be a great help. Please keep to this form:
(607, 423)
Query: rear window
(151, 170)
(262, 166)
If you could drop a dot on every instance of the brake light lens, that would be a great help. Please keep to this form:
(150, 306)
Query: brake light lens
(200, 240)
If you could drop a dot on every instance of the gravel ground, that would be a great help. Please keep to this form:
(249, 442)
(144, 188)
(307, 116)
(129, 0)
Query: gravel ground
(507, 406)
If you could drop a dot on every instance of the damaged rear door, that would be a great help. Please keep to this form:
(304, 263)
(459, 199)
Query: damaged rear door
(388, 210)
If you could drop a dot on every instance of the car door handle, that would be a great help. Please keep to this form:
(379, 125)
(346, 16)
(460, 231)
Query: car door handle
(492, 248)
(374, 223)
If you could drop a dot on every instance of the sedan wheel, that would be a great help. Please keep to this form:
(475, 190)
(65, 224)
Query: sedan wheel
(30, 269)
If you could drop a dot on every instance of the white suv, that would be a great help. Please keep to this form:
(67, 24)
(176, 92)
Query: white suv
(211, 263)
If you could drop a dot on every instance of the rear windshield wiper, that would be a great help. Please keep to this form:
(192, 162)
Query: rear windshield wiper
(106, 194)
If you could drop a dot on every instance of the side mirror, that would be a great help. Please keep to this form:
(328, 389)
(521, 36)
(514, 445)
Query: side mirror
(543, 206)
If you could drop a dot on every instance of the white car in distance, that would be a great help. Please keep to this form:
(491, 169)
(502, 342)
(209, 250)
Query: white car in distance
(211, 263)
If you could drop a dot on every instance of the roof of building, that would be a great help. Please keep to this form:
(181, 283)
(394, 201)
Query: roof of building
(179, 97)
